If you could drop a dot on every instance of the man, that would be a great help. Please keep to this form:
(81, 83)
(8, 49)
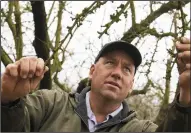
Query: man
(100, 107)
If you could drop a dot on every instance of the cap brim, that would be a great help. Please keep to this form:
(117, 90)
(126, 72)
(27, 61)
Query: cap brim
(130, 49)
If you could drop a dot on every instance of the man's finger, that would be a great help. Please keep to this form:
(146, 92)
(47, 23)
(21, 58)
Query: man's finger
(35, 81)
(39, 67)
(181, 65)
(188, 66)
(24, 67)
(182, 47)
(32, 66)
(185, 40)
(184, 56)
(12, 70)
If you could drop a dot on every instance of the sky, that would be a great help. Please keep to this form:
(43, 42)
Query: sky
(87, 37)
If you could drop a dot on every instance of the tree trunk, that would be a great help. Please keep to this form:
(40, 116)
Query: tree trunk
(41, 42)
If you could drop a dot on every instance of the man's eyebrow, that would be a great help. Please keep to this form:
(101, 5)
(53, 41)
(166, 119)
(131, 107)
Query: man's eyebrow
(129, 64)
(125, 63)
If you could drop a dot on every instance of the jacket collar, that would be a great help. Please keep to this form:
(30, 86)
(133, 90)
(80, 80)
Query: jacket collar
(81, 110)
(81, 105)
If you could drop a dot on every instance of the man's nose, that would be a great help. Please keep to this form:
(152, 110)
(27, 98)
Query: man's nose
(117, 73)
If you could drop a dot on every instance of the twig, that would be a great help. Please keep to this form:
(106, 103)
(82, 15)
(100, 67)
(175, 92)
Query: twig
(78, 21)
(183, 29)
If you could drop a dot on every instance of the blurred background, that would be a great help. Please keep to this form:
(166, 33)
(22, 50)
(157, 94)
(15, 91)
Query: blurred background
(74, 32)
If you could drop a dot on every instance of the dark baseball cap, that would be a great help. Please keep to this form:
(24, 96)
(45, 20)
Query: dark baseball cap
(130, 49)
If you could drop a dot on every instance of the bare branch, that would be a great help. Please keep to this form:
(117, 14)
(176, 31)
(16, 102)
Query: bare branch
(114, 18)
(62, 86)
(5, 57)
(144, 90)
(19, 37)
(56, 63)
(52, 22)
(9, 20)
(138, 29)
(151, 6)
(183, 16)
(152, 59)
(50, 11)
(159, 87)
(169, 66)
(77, 23)
(59, 28)
(133, 13)
(158, 35)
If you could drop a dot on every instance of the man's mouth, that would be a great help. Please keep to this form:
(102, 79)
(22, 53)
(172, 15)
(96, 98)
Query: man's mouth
(113, 83)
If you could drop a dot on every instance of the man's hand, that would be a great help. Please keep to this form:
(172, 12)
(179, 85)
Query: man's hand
(183, 61)
(21, 77)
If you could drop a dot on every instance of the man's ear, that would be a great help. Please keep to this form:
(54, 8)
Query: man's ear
(92, 68)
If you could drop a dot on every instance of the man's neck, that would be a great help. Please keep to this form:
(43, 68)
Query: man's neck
(101, 108)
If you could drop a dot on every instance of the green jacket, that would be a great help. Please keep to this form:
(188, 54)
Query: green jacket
(54, 111)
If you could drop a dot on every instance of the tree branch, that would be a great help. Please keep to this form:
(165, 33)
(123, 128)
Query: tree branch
(159, 35)
(19, 38)
(143, 91)
(50, 11)
(151, 6)
(114, 18)
(152, 59)
(9, 20)
(5, 57)
(138, 29)
(57, 65)
(133, 13)
(62, 86)
(77, 23)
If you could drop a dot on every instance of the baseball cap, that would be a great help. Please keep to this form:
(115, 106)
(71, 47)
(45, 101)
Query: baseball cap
(130, 49)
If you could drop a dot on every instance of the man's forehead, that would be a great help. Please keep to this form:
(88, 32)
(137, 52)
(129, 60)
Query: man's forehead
(117, 53)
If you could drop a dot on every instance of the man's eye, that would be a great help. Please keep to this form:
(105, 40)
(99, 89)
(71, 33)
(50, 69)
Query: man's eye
(127, 69)
(109, 62)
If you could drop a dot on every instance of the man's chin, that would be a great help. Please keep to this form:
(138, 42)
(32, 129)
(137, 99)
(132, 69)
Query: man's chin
(109, 95)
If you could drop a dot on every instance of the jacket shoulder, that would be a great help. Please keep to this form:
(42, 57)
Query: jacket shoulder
(136, 125)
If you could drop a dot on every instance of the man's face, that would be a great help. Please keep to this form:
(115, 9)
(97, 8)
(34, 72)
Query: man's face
(112, 76)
